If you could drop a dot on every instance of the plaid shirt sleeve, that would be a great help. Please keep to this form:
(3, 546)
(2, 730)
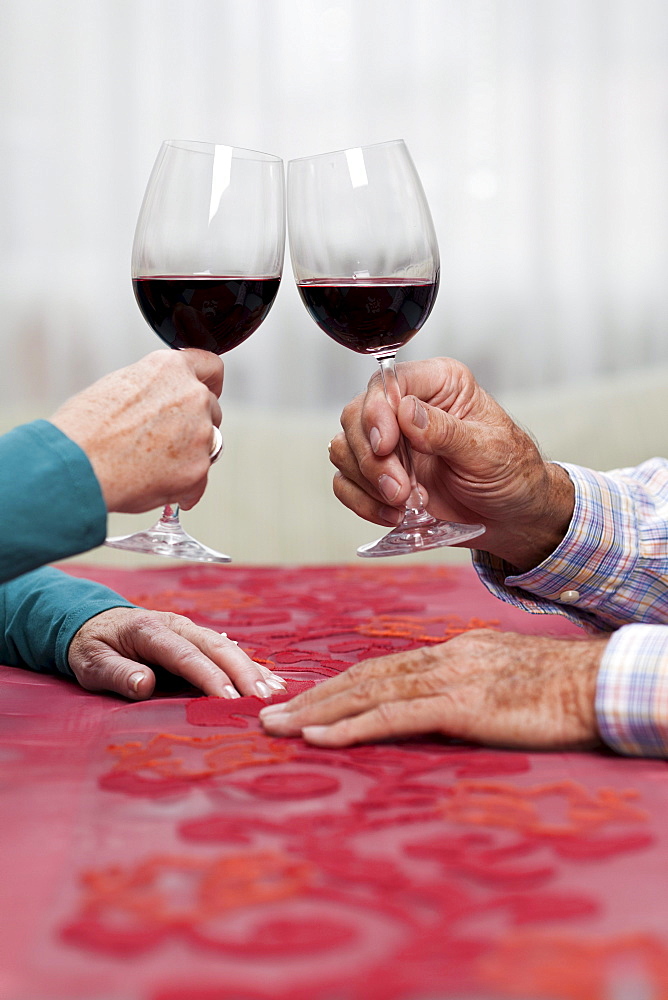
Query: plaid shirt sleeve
(610, 570)
(632, 691)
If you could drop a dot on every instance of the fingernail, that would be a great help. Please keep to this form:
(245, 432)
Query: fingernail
(275, 720)
(278, 684)
(230, 692)
(389, 487)
(375, 439)
(314, 732)
(391, 515)
(264, 691)
(135, 680)
(273, 711)
(420, 418)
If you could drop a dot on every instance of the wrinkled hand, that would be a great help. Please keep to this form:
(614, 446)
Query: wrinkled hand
(483, 686)
(472, 462)
(113, 650)
(147, 429)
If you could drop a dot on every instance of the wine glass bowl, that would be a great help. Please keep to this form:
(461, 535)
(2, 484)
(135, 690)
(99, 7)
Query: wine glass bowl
(369, 315)
(366, 262)
(207, 260)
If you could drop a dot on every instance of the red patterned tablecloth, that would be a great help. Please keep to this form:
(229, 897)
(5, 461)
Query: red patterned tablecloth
(169, 850)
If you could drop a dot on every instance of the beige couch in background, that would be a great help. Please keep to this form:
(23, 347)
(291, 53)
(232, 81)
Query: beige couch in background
(270, 498)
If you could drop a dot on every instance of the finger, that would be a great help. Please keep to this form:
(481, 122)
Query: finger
(347, 465)
(274, 680)
(207, 367)
(370, 435)
(393, 719)
(376, 419)
(242, 673)
(379, 667)
(440, 381)
(363, 504)
(343, 457)
(194, 495)
(372, 677)
(216, 412)
(458, 715)
(432, 431)
(383, 477)
(109, 671)
(368, 694)
(150, 640)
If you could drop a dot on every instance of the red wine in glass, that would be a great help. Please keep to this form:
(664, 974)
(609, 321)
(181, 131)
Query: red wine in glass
(212, 313)
(370, 315)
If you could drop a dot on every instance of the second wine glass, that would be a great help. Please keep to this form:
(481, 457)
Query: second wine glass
(365, 259)
(207, 261)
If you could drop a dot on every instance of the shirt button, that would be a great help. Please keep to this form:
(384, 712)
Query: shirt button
(569, 596)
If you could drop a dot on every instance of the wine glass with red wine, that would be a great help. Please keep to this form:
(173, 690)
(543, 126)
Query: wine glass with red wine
(366, 263)
(207, 260)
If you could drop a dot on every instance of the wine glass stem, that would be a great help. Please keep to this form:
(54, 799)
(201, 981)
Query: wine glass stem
(414, 504)
(170, 516)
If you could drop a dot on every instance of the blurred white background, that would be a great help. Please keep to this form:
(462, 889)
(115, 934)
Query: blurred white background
(539, 127)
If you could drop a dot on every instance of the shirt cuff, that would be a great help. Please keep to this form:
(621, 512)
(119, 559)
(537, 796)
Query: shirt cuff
(632, 691)
(576, 580)
(78, 617)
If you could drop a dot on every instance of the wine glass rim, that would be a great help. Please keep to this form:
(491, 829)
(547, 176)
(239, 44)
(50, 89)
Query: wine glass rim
(202, 146)
(346, 149)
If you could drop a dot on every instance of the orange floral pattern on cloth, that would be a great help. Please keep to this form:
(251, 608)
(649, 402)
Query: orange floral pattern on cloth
(200, 600)
(234, 866)
(497, 804)
(529, 964)
(421, 629)
(130, 909)
(167, 762)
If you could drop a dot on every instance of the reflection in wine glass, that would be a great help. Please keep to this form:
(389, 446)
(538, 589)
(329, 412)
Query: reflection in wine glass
(207, 260)
(366, 263)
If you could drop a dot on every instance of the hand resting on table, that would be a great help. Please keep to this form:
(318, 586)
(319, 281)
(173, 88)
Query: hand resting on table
(496, 688)
(112, 652)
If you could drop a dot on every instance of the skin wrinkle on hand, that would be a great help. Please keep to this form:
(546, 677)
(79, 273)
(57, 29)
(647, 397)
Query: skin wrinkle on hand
(111, 649)
(147, 429)
(483, 686)
(474, 462)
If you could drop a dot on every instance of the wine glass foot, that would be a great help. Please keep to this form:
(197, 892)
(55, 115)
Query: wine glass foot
(417, 534)
(172, 541)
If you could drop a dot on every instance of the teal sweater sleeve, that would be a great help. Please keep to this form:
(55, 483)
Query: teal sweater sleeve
(51, 507)
(41, 613)
(51, 504)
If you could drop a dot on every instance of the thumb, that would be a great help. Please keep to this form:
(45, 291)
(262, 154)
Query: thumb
(432, 431)
(113, 672)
